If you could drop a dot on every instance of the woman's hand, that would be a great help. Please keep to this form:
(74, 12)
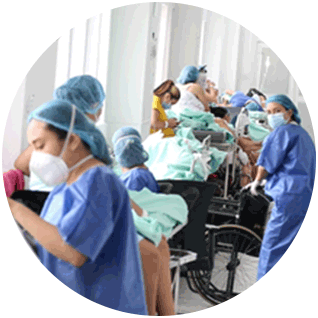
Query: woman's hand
(173, 123)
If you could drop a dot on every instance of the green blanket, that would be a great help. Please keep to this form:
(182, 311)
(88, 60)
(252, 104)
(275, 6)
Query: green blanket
(197, 120)
(165, 212)
(172, 158)
(257, 132)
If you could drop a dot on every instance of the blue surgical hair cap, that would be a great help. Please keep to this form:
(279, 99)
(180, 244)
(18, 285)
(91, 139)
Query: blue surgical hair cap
(189, 74)
(286, 102)
(253, 106)
(85, 92)
(58, 113)
(128, 148)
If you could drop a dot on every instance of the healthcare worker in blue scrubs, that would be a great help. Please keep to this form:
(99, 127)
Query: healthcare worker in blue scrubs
(288, 161)
(131, 156)
(85, 234)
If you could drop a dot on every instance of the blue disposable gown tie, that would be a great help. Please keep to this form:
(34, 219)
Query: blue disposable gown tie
(289, 157)
(139, 178)
(93, 215)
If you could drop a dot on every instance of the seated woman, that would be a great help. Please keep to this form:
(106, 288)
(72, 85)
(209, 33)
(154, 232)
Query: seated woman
(87, 94)
(130, 154)
(85, 234)
(193, 96)
(164, 96)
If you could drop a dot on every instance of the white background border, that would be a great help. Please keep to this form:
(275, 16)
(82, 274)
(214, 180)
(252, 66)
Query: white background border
(29, 27)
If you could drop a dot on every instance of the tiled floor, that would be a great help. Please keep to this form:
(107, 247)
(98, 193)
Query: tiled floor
(189, 301)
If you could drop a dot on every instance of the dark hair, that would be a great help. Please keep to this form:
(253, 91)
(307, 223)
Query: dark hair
(61, 134)
(167, 87)
(219, 111)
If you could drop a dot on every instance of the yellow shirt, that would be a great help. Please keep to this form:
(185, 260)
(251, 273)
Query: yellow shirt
(156, 104)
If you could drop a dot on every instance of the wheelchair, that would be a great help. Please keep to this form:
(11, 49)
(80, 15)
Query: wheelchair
(224, 229)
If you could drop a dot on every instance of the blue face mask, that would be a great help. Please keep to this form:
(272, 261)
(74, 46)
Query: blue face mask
(276, 120)
(166, 106)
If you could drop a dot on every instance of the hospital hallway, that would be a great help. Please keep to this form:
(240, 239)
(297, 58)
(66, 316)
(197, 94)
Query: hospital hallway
(159, 149)
(189, 301)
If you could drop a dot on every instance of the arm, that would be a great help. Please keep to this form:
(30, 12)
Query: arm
(136, 207)
(223, 124)
(261, 173)
(197, 90)
(23, 161)
(46, 234)
(211, 93)
(249, 145)
(156, 124)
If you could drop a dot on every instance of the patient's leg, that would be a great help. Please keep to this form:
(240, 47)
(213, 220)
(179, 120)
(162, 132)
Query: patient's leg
(246, 175)
(165, 305)
(150, 256)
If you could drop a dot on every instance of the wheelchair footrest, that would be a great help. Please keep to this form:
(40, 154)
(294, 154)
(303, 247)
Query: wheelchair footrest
(180, 257)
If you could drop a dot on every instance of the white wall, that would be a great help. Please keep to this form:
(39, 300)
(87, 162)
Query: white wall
(12, 140)
(185, 38)
(131, 65)
(36, 89)
(39, 85)
(248, 61)
(130, 40)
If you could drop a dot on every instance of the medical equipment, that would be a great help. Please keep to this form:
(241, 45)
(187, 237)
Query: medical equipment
(228, 227)
(225, 252)
(33, 200)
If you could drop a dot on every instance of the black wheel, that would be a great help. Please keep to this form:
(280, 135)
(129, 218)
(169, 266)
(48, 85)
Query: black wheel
(233, 260)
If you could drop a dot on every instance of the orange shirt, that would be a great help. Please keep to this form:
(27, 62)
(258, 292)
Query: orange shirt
(156, 104)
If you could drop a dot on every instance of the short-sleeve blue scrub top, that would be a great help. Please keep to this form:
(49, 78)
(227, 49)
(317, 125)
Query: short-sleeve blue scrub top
(93, 215)
(139, 178)
(289, 157)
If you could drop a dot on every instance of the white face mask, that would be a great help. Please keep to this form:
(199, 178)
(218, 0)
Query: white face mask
(53, 170)
(202, 80)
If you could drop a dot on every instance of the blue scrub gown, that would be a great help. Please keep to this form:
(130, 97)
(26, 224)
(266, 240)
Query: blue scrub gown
(94, 216)
(289, 156)
(139, 178)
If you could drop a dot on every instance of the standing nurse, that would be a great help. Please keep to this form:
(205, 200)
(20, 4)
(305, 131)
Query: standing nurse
(288, 159)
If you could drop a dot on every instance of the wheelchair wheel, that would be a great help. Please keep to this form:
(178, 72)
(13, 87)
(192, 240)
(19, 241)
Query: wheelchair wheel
(233, 255)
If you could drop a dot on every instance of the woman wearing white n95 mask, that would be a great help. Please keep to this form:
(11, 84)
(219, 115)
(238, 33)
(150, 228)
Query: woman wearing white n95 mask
(85, 234)
(288, 161)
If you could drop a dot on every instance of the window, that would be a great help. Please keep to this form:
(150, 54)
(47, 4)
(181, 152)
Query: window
(84, 50)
